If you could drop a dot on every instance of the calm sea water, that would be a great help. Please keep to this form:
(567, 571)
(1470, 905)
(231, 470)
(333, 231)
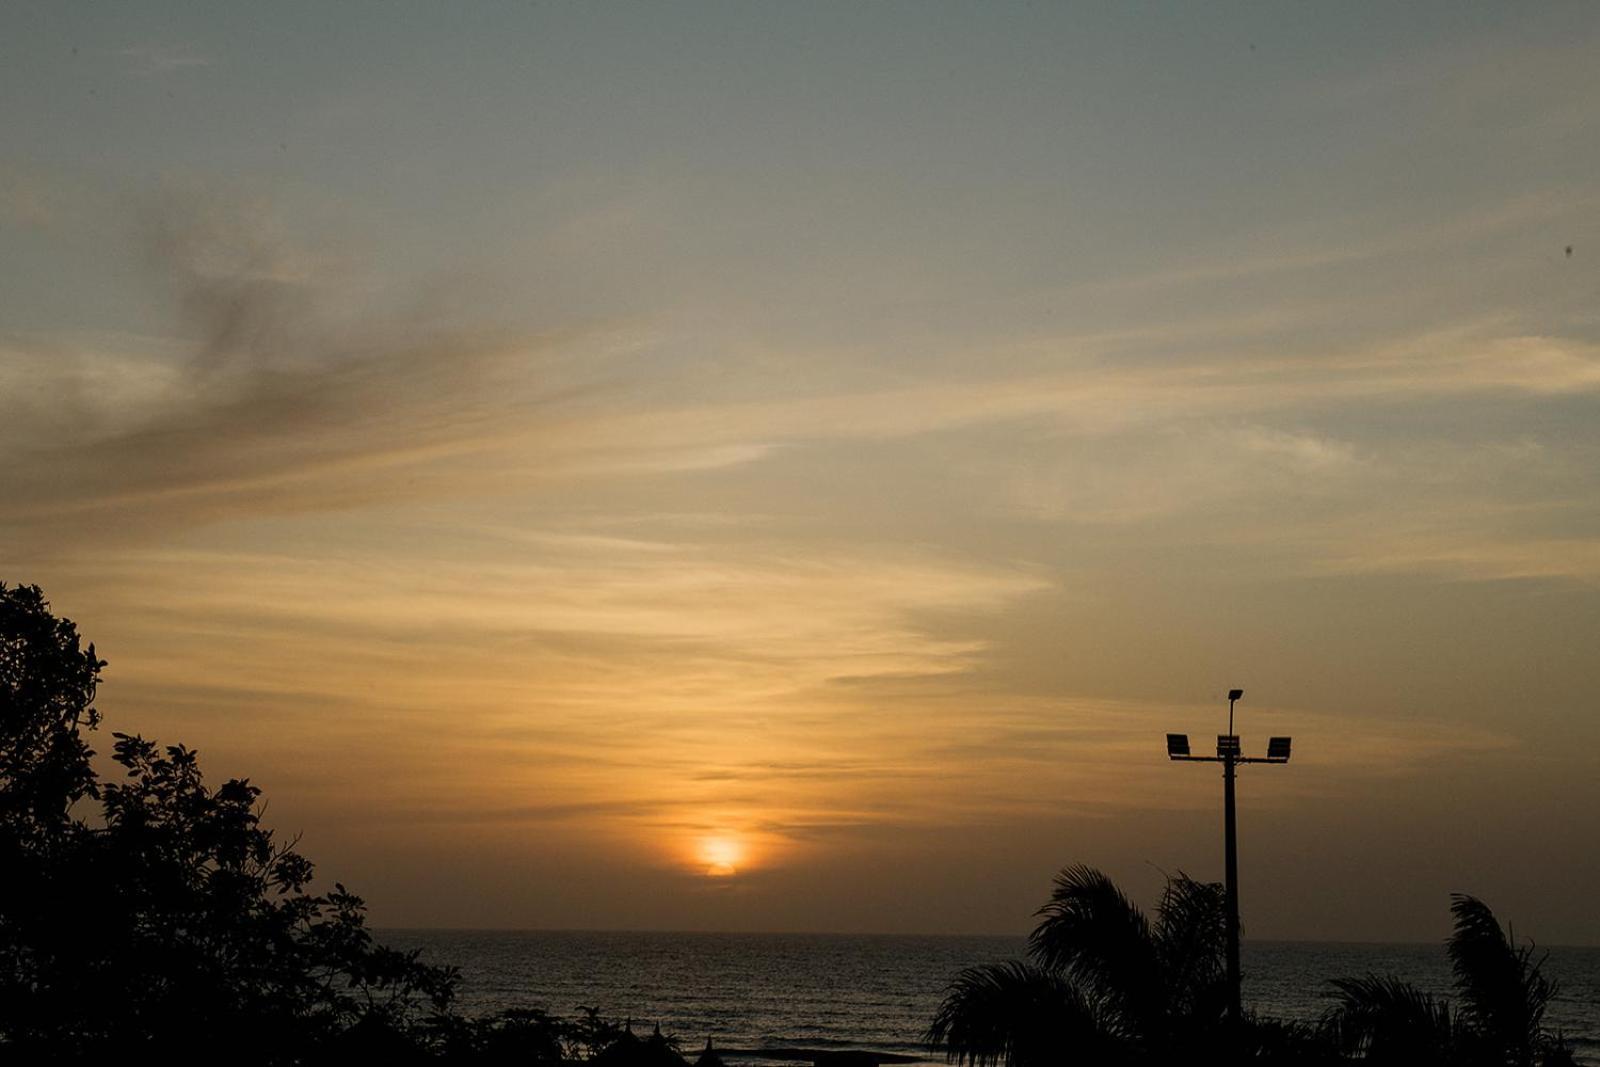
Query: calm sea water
(877, 992)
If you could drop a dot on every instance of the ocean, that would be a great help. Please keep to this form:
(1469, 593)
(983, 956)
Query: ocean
(875, 992)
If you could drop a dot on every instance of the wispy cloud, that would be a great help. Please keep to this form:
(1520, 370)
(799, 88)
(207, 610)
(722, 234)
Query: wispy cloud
(618, 656)
(1471, 556)
(295, 391)
(272, 404)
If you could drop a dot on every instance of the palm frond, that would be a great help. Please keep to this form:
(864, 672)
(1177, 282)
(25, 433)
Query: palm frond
(1268, 1041)
(1500, 984)
(1386, 1020)
(1191, 936)
(1015, 1014)
(1092, 933)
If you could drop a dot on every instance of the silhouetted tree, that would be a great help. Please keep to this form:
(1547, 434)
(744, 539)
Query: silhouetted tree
(47, 690)
(525, 1037)
(1100, 984)
(628, 1050)
(1104, 984)
(708, 1057)
(152, 913)
(1500, 1020)
(590, 1033)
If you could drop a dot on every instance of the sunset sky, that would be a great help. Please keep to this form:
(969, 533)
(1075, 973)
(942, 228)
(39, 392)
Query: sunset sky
(785, 466)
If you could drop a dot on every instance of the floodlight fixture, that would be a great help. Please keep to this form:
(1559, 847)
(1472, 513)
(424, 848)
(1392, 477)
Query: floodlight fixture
(1235, 694)
(1178, 746)
(1278, 750)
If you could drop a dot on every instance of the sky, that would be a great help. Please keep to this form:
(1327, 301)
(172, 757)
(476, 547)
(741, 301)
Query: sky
(785, 466)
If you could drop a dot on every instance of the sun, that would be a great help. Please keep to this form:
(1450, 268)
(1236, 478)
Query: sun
(721, 854)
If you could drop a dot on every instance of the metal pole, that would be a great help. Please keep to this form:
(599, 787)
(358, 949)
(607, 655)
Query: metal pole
(1230, 837)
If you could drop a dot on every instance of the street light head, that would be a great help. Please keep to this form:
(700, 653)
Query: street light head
(1178, 746)
(1235, 694)
(1278, 750)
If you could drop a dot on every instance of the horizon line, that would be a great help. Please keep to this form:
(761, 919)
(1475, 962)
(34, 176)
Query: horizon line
(376, 928)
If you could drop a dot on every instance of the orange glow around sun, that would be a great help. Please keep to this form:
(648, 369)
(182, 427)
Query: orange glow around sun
(721, 855)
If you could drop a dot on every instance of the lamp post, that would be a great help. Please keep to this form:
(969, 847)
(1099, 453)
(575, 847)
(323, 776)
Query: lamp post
(1230, 756)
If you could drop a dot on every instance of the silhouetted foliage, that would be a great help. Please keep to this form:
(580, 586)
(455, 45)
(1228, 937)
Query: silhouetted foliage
(1105, 984)
(1018, 1014)
(1500, 1020)
(709, 1058)
(1390, 1021)
(529, 1036)
(524, 1036)
(629, 1050)
(589, 1034)
(47, 690)
(152, 915)
(1276, 1041)
(152, 909)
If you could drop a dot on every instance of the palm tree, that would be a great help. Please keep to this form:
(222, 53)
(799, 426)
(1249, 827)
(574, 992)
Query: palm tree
(1500, 1020)
(1102, 983)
